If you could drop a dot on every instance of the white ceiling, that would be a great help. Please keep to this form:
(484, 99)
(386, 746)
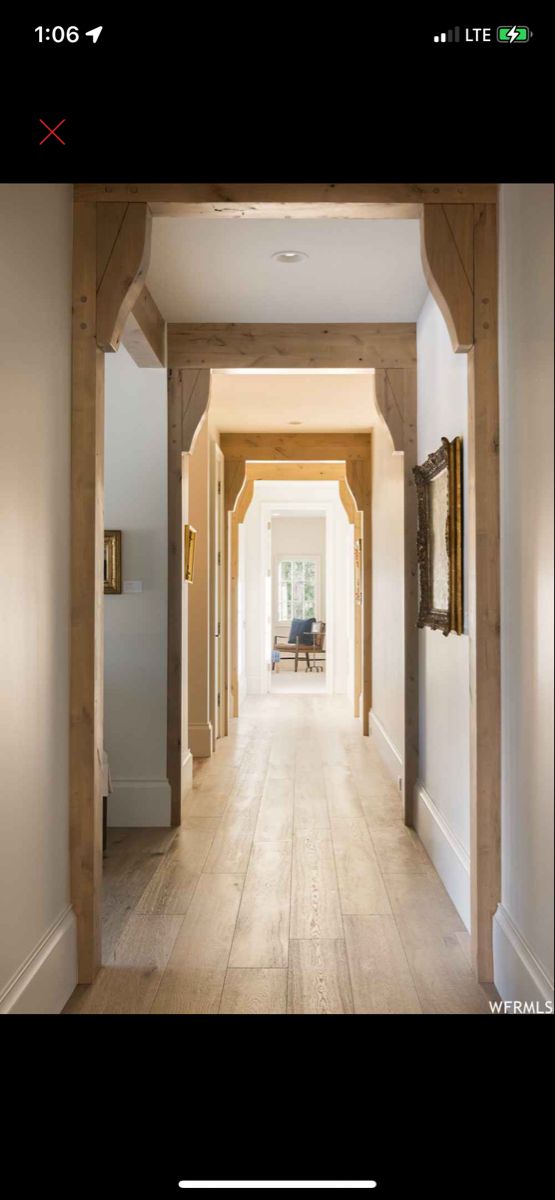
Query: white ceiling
(222, 270)
(315, 401)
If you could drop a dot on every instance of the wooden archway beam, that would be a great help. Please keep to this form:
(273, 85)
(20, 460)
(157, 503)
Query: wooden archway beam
(291, 472)
(287, 200)
(296, 447)
(447, 241)
(260, 345)
(111, 247)
(188, 402)
(144, 335)
(123, 256)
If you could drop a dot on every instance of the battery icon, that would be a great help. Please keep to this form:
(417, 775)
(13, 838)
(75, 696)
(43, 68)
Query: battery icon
(513, 33)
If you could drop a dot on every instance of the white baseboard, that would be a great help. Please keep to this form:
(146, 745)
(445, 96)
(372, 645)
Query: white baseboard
(517, 973)
(201, 740)
(450, 859)
(388, 752)
(49, 975)
(140, 802)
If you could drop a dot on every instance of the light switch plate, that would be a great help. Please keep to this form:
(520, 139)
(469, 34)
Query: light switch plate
(132, 585)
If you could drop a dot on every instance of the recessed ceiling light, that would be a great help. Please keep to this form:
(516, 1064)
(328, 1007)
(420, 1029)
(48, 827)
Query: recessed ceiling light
(295, 422)
(289, 256)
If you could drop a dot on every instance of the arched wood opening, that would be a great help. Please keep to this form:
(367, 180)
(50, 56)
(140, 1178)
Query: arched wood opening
(291, 472)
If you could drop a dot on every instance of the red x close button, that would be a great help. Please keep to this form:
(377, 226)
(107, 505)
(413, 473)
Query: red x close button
(52, 132)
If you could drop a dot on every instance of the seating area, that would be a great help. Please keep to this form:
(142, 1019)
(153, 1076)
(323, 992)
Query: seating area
(306, 640)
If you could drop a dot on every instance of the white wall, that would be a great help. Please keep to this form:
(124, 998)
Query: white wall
(443, 792)
(38, 963)
(523, 930)
(388, 639)
(136, 624)
(303, 536)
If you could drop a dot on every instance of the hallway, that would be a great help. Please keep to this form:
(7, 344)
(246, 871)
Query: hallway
(292, 886)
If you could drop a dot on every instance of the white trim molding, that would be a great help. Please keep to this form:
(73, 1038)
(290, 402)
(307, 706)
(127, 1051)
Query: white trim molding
(141, 802)
(48, 976)
(200, 739)
(387, 750)
(450, 858)
(517, 973)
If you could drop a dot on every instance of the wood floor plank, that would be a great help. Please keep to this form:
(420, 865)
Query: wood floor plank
(231, 847)
(134, 841)
(275, 815)
(429, 927)
(382, 811)
(254, 990)
(172, 888)
(189, 991)
(129, 985)
(380, 973)
(209, 802)
(207, 930)
(370, 786)
(361, 886)
(310, 807)
(315, 909)
(400, 849)
(262, 933)
(341, 793)
(318, 977)
(133, 858)
(421, 897)
(293, 764)
(282, 770)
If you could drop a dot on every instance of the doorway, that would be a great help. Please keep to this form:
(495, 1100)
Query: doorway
(459, 247)
(296, 581)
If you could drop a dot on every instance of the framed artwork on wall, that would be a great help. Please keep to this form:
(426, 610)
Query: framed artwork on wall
(439, 538)
(190, 537)
(112, 562)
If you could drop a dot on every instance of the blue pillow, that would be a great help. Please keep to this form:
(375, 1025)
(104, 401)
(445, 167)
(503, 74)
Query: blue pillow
(300, 627)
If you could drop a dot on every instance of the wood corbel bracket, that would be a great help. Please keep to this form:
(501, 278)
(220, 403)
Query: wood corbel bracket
(447, 246)
(123, 255)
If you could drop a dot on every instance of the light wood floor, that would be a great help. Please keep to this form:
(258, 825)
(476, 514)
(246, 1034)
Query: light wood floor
(292, 886)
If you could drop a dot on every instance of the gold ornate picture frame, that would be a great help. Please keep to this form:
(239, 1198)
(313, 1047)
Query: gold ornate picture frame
(189, 543)
(112, 562)
(439, 539)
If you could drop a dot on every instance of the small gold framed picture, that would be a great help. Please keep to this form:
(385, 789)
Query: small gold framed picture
(112, 562)
(190, 537)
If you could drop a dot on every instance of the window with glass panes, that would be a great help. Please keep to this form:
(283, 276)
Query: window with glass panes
(297, 588)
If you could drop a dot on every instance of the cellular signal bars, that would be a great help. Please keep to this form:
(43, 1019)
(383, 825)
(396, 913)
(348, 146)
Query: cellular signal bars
(452, 35)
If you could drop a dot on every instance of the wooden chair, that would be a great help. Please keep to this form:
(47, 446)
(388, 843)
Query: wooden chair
(316, 654)
(287, 650)
(313, 649)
